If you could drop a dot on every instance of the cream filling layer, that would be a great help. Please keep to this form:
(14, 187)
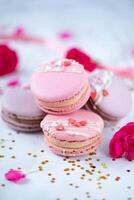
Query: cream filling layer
(70, 145)
(65, 103)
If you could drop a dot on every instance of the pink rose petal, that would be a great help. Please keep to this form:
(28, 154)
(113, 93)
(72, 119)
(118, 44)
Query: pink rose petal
(65, 35)
(116, 148)
(123, 142)
(13, 83)
(14, 175)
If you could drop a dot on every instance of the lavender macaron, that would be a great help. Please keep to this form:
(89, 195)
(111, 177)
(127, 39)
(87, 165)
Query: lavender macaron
(19, 110)
(110, 96)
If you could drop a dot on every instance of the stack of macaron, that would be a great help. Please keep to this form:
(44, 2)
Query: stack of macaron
(73, 103)
(61, 88)
(19, 110)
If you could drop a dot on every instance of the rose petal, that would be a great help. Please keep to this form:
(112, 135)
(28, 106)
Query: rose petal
(65, 35)
(81, 57)
(13, 83)
(130, 155)
(8, 60)
(14, 175)
(116, 149)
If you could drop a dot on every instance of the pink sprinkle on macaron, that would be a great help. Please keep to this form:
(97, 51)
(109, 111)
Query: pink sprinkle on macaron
(105, 92)
(60, 127)
(66, 63)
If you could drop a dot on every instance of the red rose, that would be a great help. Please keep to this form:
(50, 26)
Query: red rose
(123, 142)
(8, 60)
(81, 57)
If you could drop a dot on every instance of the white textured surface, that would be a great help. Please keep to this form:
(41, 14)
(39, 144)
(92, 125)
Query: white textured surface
(105, 30)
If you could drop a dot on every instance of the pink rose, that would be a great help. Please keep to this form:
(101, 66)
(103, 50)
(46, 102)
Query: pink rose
(81, 57)
(8, 60)
(122, 142)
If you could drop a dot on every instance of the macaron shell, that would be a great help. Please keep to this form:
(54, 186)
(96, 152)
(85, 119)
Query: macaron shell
(73, 152)
(20, 101)
(93, 127)
(55, 86)
(69, 109)
(119, 101)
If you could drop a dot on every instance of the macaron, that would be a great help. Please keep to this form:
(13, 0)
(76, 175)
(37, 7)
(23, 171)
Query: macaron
(20, 111)
(110, 96)
(60, 87)
(74, 134)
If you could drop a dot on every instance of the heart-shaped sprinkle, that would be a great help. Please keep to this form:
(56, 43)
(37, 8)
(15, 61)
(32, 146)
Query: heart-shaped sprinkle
(77, 124)
(66, 63)
(93, 95)
(105, 92)
(71, 121)
(60, 127)
(83, 123)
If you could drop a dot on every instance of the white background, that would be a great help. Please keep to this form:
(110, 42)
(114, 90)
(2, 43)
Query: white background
(105, 30)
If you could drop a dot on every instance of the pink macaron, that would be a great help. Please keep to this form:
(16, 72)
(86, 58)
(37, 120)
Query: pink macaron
(20, 111)
(60, 87)
(74, 134)
(110, 97)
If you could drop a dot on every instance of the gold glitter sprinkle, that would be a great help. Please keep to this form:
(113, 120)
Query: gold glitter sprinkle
(44, 162)
(107, 174)
(73, 164)
(52, 181)
(102, 178)
(82, 168)
(104, 165)
(1, 156)
(117, 178)
(89, 172)
(87, 193)
(19, 168)
(72, 169)
(93, 153)
(71, 184)
(83, 175)
(66, 169)
(3, 185)
(40, 168)
(13, 157)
